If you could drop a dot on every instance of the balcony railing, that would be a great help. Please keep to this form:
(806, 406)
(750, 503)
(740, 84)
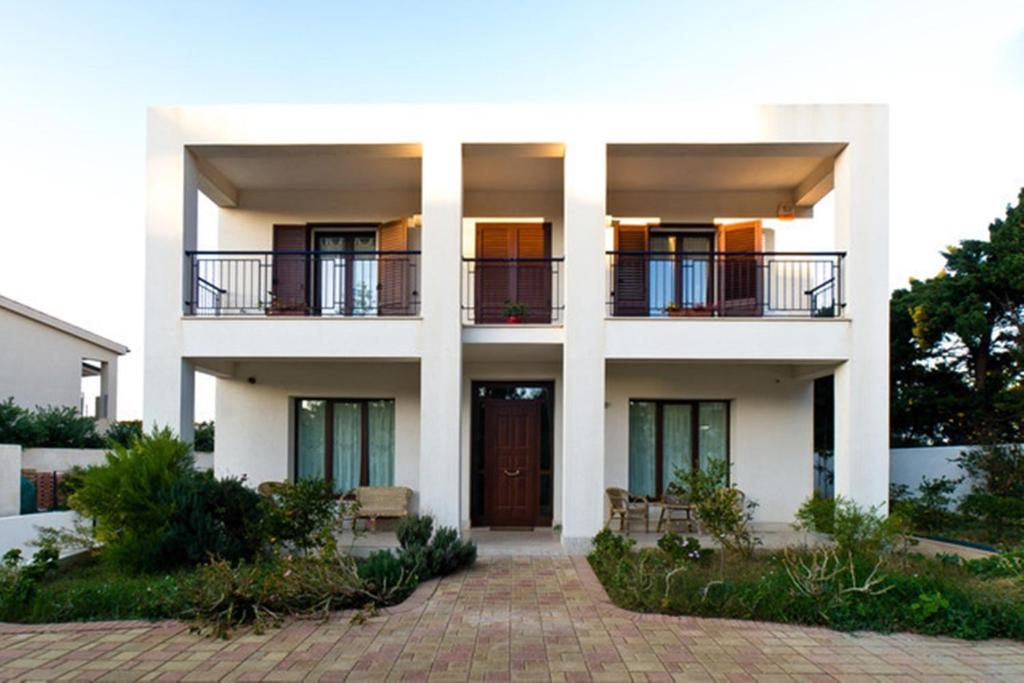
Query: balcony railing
(725, 284)
(303, 283)
(512, 290)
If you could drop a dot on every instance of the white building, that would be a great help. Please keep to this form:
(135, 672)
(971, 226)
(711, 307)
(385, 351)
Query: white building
(45, 361)
(356, 315)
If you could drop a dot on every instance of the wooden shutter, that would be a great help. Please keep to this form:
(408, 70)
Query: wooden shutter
(630, 295)
(290, 272)
(740, 276)
(493, 281)
(394, 278)
(533, 278)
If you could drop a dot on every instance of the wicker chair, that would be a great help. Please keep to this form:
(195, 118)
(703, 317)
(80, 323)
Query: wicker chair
(674, 501)
(627, 510)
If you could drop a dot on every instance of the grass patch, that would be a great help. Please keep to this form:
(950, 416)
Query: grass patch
(883, 593)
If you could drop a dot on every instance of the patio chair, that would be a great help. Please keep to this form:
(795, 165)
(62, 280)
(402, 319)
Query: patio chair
(675, 502)
(627, 509)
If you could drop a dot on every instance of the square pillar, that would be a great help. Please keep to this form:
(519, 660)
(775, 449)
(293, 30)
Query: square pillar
(861, 462)
(583, 359)
(441, 360)
(171, 225)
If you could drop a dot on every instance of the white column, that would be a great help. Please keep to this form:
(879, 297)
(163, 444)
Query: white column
(441, 361)
(171, 187)
(583, 360)
(862, 384)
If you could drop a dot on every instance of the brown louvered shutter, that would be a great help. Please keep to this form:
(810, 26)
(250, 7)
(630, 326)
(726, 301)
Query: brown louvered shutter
(630, 295)
(493, 278)
(533, 278)
(394, 283)
(740, 268)
(289, 272)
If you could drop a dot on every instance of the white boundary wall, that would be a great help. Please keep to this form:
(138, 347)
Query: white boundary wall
(909, 465)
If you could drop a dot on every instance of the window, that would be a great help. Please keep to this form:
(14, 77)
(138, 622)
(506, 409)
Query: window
(665, 436)
(680, 269)
(349, 442)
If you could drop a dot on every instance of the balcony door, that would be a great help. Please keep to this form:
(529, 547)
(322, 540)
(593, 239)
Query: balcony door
(513, 266)
(680, 270)
(345, 273)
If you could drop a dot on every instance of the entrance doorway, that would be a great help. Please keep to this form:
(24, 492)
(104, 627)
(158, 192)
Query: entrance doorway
(512, 454)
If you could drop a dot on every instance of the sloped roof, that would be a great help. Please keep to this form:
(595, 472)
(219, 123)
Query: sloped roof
(62, 326)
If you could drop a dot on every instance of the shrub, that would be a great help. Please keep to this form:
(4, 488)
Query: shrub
(221, 596)
(995, 470)
(1000, 515)
(414, 530)
(19, 582)
(124, 433)
(854, 529)
(448, 553)
(203, 437)
(49, 427)
(930, 510)
(301, 515)
(387, 577)
(680, 550)
(723, 511)
(130, 496)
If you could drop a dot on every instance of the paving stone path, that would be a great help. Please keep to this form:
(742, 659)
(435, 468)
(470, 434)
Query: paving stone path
(540, 618)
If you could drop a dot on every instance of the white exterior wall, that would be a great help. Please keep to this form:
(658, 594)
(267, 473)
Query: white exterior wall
(771, 426)
(10, 480)
(255, 422)
(42, 366)
(857, 344)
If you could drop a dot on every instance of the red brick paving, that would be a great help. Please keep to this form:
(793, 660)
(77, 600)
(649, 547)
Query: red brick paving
(509, 619)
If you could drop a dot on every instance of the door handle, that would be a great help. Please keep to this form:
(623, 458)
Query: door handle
(511, 473)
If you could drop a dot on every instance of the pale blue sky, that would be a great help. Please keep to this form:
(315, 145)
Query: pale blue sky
(76, 77)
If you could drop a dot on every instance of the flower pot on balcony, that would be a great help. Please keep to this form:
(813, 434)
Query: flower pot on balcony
(512, 320)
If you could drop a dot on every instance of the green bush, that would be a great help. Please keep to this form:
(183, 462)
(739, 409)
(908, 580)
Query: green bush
(301, 515)
(414, 530)
(124, 433)
(680, 550)
(203, 437)
(19, 582)
(857, 530)
(447, 553)
(930, 510)
(824, 588)
(387, 576)
(49, 427)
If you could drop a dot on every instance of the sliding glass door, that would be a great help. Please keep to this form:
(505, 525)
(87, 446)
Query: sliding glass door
(680, 270)
(670, 437)
(348, 442)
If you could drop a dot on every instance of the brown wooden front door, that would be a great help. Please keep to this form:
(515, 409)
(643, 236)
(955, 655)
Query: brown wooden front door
(511, 457)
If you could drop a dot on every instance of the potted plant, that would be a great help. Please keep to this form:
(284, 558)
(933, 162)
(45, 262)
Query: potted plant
(674, 310)
(515, 312)
(699, 311)
(280, 306)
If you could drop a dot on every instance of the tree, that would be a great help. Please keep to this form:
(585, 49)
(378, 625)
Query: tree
(955, 343)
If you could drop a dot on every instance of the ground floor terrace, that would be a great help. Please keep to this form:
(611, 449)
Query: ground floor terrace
(536, 619)
(360, 423)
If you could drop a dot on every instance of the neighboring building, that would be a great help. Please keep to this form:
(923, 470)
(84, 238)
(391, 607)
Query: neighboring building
(357, 313)
(43, 361)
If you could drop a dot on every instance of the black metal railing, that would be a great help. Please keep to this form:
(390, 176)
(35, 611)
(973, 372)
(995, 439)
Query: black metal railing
(303, 283)
(512, 290)
(726, 284)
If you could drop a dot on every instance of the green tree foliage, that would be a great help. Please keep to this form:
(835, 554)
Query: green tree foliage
(955, 343)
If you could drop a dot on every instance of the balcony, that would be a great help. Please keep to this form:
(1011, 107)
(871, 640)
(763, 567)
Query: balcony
(741, 284)
(509, 291)
(321, 283)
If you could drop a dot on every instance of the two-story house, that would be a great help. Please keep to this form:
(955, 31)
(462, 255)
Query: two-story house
(510, 308)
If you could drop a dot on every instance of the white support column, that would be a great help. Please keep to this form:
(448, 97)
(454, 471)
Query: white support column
(171, 218)
(861, 459)
(441, 361)
(583, 362)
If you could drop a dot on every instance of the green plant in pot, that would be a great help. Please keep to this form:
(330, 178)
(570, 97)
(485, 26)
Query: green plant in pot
(515, 312)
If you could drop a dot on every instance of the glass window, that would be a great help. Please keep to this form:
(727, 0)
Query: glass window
(662, 435)
(347, 442)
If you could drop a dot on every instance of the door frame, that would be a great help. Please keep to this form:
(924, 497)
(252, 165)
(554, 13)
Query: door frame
(477, 462)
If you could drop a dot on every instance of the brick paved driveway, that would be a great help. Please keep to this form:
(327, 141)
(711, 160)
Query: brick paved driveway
(535, 618)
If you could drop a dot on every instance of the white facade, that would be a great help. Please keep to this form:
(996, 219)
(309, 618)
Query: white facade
(586, 173)
(43, 360)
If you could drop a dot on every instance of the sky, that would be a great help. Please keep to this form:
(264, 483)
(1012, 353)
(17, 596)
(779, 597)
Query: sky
(76, 78)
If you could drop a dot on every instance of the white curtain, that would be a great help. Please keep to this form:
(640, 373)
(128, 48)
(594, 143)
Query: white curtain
(641, 448)
(310, 438)
(382, 443)
(676, 440)
(348, 445)
(712, 431)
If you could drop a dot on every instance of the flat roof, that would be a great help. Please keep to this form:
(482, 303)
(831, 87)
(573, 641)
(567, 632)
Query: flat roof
(62, 326)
